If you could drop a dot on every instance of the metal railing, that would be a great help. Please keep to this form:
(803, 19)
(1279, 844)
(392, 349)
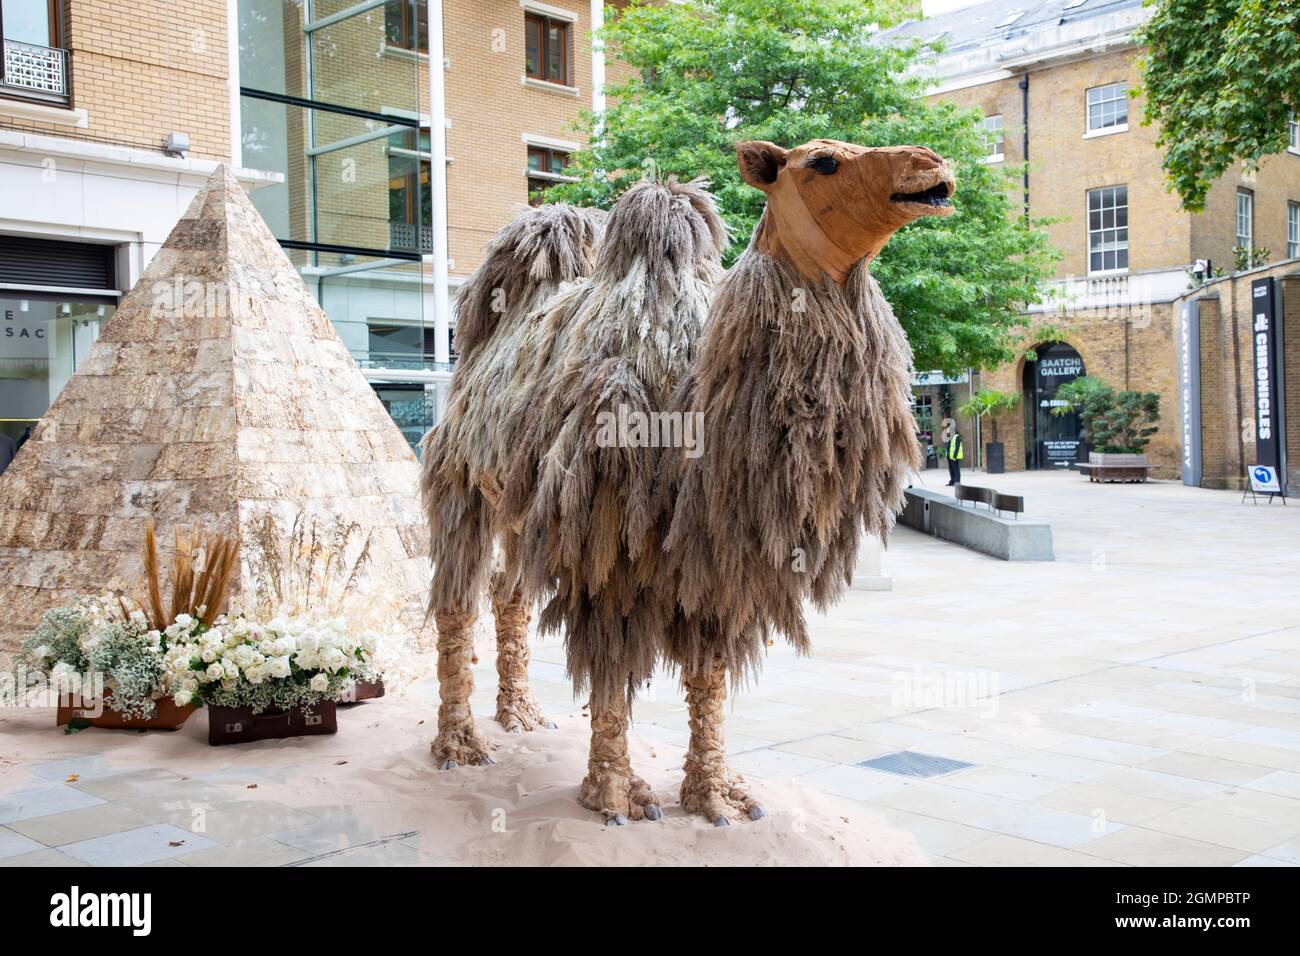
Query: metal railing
(402, 235)
(32, 69)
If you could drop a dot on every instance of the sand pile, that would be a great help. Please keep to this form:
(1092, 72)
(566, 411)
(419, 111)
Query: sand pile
(377, 773)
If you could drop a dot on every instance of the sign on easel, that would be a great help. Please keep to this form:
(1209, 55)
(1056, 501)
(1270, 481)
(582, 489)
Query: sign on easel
(1263, 480)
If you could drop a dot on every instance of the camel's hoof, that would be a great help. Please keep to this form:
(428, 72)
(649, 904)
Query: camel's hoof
(756, 812)
(722, 822)
(486, 761)
(617, 820)
(552, 725)
(653, 813)
(448, 765)
(516, 729)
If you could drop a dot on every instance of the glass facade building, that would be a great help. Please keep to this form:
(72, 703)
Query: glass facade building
(334, 95)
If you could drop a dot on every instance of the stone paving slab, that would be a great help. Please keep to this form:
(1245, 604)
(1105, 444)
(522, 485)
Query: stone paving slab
(1134, 703)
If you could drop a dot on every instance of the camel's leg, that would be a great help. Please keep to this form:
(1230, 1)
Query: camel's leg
(517, 709)
(458, 742)
(610, 786)
(710, 787)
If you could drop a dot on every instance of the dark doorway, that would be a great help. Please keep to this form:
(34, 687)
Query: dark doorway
(1051, 441)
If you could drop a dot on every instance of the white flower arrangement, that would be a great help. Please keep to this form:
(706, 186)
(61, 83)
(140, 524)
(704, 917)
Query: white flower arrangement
(97, 645)
(288, 662)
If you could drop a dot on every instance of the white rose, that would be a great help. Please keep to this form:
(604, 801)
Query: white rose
(320, 683)
(216, 672)
(278, 667)
(184, 620)
(183, 697)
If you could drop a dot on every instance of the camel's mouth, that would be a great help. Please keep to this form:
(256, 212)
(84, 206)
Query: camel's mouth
(936, 199)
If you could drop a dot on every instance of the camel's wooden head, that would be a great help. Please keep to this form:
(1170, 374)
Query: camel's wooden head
(831, 204)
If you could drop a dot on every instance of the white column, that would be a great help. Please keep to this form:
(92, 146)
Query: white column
(232, 80)
(597, 59)
(869, 574)
(438, 184)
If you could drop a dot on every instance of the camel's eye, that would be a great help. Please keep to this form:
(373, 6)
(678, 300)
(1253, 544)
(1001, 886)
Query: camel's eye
(825, 164)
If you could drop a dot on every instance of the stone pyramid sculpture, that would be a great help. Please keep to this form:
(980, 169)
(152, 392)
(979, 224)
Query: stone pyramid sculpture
(217, 393)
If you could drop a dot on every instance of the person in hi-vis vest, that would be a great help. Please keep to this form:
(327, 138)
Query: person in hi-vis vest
(952, 449)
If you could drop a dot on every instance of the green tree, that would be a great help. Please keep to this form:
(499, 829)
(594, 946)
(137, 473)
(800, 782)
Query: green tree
(1222, 78)
(711, 73)
(1121, 422)
(989, 403)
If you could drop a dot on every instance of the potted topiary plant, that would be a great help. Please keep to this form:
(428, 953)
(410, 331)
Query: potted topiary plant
(1119, 425)
(990, 403)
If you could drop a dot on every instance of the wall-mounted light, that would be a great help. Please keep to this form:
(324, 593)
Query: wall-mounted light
(24, 305)
(177, 144)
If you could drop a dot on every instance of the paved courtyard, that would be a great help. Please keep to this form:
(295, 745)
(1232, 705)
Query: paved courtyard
(1134, 702)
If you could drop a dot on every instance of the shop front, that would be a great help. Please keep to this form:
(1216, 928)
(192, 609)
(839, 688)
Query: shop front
(1052, 440)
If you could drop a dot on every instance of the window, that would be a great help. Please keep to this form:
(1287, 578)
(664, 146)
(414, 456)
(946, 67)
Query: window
(545, 167)
(30, 21)
(1292, 230)
(546, 49)
(1245, 218)
(994, 137)
(410, 202)
(1293, 134)
(1108, 229)
(404, 25)
(1107, 107)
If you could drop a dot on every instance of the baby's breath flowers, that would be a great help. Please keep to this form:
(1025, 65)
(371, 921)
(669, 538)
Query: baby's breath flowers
(98, 643)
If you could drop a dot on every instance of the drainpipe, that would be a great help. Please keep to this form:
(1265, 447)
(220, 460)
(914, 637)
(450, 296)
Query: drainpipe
(438, 184)
(1024, 123)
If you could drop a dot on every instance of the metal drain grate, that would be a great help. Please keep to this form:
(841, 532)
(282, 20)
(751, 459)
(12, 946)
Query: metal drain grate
(908, 763)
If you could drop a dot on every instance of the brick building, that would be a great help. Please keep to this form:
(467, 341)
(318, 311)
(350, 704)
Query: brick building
(113, 112)
(1053, 80)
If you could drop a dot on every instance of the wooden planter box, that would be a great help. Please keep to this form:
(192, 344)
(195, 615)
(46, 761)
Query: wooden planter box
(239, 725)
(363, 690)
(1111, 466)
(166, 716)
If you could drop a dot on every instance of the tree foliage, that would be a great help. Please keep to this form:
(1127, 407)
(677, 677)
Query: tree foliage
(1115, 421)
(990, 403)
(1222, 78)
(711, 73)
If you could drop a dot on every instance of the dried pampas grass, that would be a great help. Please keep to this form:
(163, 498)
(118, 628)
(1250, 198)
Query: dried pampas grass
(203, 566)
(313, 570)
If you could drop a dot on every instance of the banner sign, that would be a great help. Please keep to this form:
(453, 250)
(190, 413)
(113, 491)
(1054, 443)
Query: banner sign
(1264, 358)
(1189, 389)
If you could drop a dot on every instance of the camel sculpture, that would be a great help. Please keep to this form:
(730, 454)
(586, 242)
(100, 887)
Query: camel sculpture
(524, 265)
(642, 553)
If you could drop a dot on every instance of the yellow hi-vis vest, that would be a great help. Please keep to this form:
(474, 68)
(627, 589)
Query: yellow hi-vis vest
(955, 449)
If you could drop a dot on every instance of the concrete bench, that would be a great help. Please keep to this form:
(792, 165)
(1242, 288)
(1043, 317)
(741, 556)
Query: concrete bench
(985, 531)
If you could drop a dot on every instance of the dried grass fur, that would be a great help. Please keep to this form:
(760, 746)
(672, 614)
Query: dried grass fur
(526, 264)
(588, 539)
(809, 439)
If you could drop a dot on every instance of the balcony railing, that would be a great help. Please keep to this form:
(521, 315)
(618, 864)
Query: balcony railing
(38, 71)
(402, 235)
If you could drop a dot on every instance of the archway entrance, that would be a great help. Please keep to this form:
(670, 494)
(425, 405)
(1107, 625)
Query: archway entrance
(1051, 441)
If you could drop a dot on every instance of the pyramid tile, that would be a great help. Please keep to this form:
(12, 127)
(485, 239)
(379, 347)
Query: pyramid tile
(217, 393)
